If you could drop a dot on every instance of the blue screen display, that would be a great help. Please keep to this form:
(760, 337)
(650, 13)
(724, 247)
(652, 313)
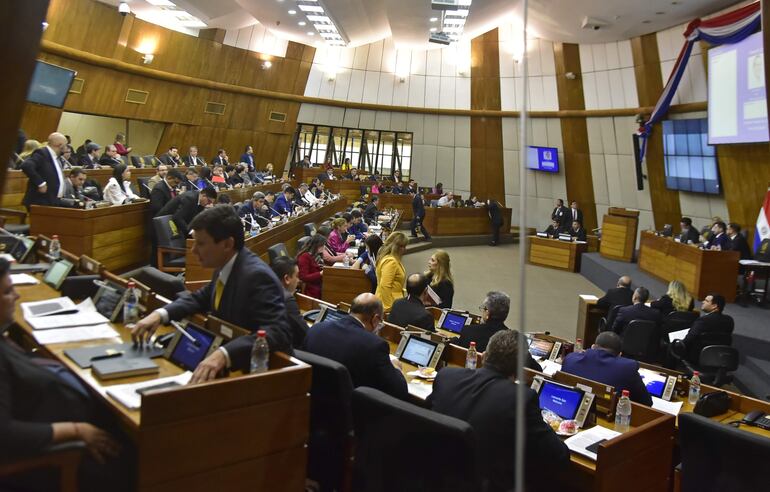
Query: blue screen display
(50, 84)
(690, 162)
(332, 315)
(186, 353)
(453, 322)
(543, 159)
(562, 401)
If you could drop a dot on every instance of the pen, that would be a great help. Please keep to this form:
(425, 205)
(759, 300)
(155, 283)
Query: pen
(109, 355)
(179, 327)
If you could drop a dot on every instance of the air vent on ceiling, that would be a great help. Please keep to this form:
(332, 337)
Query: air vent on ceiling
(276, 116)
(77, 86)
(214, 108)
(135, 96)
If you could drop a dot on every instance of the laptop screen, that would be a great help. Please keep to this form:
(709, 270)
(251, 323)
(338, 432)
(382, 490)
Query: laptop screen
(57, 272)
(655, 382)
(453, 322)
(562, 400)
(188, 354)
(419, 351)
(540, 348)
(332, 315)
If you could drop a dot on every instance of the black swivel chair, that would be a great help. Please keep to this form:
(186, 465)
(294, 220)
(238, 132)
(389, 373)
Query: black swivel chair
(277, 250)
(677, 320)
(149, 161)
(330, 451)
(720, 458)
(301, 242)
(605, 324)
(386, 426)
(144, 187)
(165, 284)
(641, 339)
(137, 161)
(310, 229)
(171, 245)
(715, 364)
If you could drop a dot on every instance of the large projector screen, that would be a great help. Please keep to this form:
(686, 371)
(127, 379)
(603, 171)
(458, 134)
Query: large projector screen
(737, 106)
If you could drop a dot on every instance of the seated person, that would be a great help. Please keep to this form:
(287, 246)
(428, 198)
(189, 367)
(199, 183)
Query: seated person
(192, 159)
(73, 186)
(44, 404)
(232, 179)
(410, 310)
(257, 209)
(352, 342)
(689, 234)
(205, 179)
(339, 239)
(718, 239)
(160, 174)
(676, 298)
(357, 226)
(371, 212)
(218, 177)
(438, 189)
(165, 191)
(577, 231)
(191, 180)
(224, 199)
(283, 204)
(285, 268)
(446, 200)
(637, 311)
(714, 321)
(353, 174)
(737, 241)
(377, 188)
(330, 256)
(300, 199)
(399, 188)
(603, 363)
(620, 295)
(310, 262)
(554, 229)
(110, 158)
(90, 158)
(118, 189)
(486, 399)
(368, 259)
(171, 158)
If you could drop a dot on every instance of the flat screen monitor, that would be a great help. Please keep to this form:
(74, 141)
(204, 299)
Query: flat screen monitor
(562, 400)
(330, 314)
(419, 351)
(690, 162)
(540, 348)
(57, 272)
(188, 354)
(50, 84)
(655, 382)
(737, 107)
(543, 159)
(453, 322)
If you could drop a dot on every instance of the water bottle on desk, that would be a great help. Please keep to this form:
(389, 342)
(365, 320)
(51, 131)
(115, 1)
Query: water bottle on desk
(578, 345)
(131, 305)
(54, 249)
(623, 413)
(694, 395)
(260, 353)
(470, 359)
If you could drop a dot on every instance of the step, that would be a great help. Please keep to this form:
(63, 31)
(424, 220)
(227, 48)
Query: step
(753, 382)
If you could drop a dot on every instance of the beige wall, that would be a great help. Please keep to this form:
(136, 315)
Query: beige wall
(143, 136)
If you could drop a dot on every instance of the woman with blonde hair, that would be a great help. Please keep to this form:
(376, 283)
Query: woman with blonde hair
(676, 299)
(439, 275)
(391, 274)
(29, 147)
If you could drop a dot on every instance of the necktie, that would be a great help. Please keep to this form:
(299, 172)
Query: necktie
(220, 287)
(574, 214)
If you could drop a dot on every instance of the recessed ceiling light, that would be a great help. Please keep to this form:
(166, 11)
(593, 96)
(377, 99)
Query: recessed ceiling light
(302, 23)
(660, 13)
(310, 33)
(646, 21)
(292, 12)
(433, 19)
(433, 29)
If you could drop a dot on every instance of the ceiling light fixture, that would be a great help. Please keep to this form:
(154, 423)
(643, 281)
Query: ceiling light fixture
(147, 58)
(324, 24)
(452, 22)
(302, 23)
(310, 33)
(266, 64)
(292, 12)
(433, 29)
(433, 19)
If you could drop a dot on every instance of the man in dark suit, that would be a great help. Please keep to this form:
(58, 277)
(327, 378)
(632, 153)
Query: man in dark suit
(411, 309)
(418, 214)
(184, 207)
(603, 363)
(561, 214)
(287, 271)
(352, 342)
(248, 158)
(45, 184)
(243, 291)
(689, 234)
(737, 241)
(637, 311)
(495, 220)
(171, 157)
(220, 159)
(555, 229)
(494, 310)
(486, 398)
(90, 159)
(110, 158)
(718, 239)
(164, 191)
(73, 189)
(192, 159)
(283, 204)
(190, 182)
(575, 213)
(620, 295)
(577, 231)
(713, 322)
(371, 212)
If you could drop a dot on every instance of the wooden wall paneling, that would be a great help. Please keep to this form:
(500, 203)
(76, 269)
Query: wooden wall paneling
(666, 208)
(39, 121)
(745, 173)
(85, 25)
(574, 133)
(487, 169)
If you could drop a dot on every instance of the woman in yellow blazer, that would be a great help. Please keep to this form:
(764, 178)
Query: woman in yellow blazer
(391, 275)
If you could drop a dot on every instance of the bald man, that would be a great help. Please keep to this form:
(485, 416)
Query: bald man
(43, 168)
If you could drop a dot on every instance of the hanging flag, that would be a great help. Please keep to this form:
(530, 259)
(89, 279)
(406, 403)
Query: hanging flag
(763, 222)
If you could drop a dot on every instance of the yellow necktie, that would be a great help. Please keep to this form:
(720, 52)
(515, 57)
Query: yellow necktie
(220, 287)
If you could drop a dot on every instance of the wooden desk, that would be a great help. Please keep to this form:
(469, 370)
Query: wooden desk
(348, 188)
(402, 203)
(557, 254)
(287, 233)
(462, 221)
(244, 194)
(220, 434)
(619, 228)
(589, 315)
(701, 271)
(306, 174)
(115, 236)
(342, 284)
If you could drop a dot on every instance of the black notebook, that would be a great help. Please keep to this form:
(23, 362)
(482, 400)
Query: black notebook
(120, 367)
(84, 356)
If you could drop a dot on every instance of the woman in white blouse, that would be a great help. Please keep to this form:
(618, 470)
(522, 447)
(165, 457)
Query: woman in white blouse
(118, 190)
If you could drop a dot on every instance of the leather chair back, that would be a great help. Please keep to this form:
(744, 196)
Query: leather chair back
(137, 161)
(704, 340)
(144, 188)
(641, 339)
(715, 363)
(301, 242)
(277, 250)
(678, 320)
(310, 229)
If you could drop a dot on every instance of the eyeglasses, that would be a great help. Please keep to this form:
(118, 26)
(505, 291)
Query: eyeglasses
(483, 308)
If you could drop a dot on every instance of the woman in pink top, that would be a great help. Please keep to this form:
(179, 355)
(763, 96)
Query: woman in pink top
(120, 144)
(339, 239)
(376, 188)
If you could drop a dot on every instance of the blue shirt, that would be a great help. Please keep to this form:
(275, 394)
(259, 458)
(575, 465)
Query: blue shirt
(358, 230)
(282, 205)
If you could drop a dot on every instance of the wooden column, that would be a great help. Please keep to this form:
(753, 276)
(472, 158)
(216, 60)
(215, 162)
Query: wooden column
(666, 208)
(217, 35)
(487, 170)
(574, 133)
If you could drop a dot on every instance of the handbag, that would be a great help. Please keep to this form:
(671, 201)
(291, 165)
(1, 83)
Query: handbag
(712, 404)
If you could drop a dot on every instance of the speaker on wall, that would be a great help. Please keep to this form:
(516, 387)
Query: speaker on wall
(638, 164)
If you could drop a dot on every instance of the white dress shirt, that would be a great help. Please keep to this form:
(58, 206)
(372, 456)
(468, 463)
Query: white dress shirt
(57, 165)
(115, 194)
(310, 198)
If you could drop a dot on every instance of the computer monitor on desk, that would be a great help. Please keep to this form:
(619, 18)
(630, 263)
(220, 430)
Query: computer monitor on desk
(568, 402)
(454, 321)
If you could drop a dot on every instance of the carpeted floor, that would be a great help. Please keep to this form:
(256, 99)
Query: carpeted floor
(552, 295)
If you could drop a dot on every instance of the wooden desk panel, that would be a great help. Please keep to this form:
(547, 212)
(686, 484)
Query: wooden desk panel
(346, 187)
(699, 270)
(343, 284)
(462, 221)
(589, 315)
(557, 254)
(619, 234)
(402, 203)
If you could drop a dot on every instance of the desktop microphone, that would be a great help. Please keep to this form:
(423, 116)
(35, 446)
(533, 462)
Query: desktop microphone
(179, 328)
(257, 217)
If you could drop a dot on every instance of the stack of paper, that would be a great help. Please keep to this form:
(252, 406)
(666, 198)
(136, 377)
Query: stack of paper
(84, 314)
(672, 407)
(550, 367)
(23, 279)
(46, 307)
(678, 335)
(420, 389)
(128, 396)
(67, 335)
(579, 442)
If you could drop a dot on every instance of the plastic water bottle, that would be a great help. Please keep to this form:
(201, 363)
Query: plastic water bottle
(623, 413)
(578, 345)
(54, 249)
(694, 395)
(131, 305)
(260, 353)
(470, 359)
(346, 261)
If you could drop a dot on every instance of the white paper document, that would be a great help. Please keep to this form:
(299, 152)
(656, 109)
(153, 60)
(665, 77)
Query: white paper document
(127, 394)
(678, 335)
(66, 335)
(672, 407)
(23, 279)
(420, 389)
(86, 315)
(550, 367)
(579, 442)
(46, 307)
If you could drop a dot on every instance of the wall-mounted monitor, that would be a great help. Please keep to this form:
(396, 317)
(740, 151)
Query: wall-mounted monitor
(543, 159)
(50, 84)
(690, 162)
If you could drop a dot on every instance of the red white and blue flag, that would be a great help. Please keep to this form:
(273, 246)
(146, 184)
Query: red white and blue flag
(763, 222)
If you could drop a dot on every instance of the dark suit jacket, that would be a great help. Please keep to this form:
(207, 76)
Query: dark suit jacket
(722, 241)
(619, 372)
(190, 185)
(579, 235)
(563, 215)
(741, 245)
(86, 163)
(712, 323)
(169, 160)
(253, 299)
(480, 334)
(218, 160)
(554, 232)
(487, 401)
(183, 210)
(445, 290)
(627, 314)
(40, 168)
(494, 213)
(666, 306)
(107, 161)
(282, 205)
(297, 324)
(690, 235)
(248, 159)
(365, 355)
(371, 212)
(411, 312)
(159, 197)
(572, 214)
(616, 296)
(193, 161)
(418, 207)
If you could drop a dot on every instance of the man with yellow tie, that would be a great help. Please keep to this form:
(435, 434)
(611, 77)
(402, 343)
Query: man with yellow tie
(244, 291)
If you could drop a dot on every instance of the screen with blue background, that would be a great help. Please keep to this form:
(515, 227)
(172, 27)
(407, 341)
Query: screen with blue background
(543, 159)
(562, 401)
(189, 355)
(50, 84)
(453, 322)
(690, 162)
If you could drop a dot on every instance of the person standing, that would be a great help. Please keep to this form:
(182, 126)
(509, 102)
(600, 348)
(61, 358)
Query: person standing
(45, 184)
(418, 215)
(120, 145)
(391, 274)
(496, 219)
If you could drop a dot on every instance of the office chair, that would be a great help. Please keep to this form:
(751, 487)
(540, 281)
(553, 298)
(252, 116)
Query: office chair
(21, 216)
(310, 229)
(165, 284)
(137, 161)
(171, 245)
(714, 364)
(605, 324)
(301, 242)
(718, 457)
(678, 320)
(144, 187)
(640, 340)
(277, 250)
(330, 450)
(64, 457)
(149, 161)
(386, 426)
